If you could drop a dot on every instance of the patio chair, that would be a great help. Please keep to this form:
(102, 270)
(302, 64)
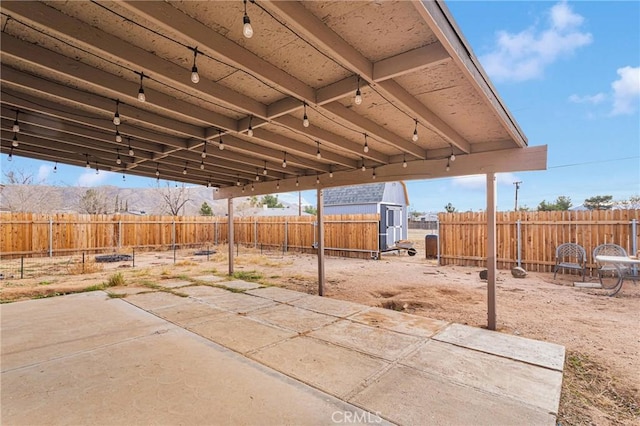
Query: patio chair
(608, 268)
(571, 256)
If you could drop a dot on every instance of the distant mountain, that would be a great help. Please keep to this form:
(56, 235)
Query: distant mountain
(150, 201)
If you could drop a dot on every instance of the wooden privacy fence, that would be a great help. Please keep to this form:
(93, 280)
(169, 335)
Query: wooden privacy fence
(27, 234)
(532, 237)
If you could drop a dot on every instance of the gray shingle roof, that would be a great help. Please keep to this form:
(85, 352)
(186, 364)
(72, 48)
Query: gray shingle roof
(359, 194)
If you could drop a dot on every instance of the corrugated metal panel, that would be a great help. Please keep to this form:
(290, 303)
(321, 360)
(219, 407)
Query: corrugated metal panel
(352, 209)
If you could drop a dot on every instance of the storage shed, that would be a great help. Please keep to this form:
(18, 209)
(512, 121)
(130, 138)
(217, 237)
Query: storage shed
(388, 199)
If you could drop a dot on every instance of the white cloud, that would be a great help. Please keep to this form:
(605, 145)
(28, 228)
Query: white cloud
(91, 178)
(626, 91)
(525, 55)
(43, 172)
(588, 99)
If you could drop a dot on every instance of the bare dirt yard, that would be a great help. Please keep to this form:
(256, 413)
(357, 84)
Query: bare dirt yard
(601, 334)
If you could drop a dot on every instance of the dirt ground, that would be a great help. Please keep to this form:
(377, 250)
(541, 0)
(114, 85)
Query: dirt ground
(601, 334)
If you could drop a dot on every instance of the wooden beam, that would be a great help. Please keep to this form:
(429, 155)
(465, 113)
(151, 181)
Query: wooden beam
(411, 61)
(230, 233)
(320, 240)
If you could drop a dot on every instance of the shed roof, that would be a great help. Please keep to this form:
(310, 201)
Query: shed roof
(357, 194)
(67, 67)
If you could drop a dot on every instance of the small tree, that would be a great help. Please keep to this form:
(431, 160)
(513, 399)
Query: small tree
(271, 201)
(449, 208)
(311, 210)
(205, 209)
(599, 202)
(93, 201)
(562, 203)
(173, 199)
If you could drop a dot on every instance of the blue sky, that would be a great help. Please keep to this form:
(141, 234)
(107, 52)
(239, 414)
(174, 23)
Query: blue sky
(570, 74)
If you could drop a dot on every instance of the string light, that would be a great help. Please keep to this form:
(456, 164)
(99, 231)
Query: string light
(453, 156)
(131, 153)
(257, 175)
(264, 171)
(317, 179)
(284, 161)
(330, 171)
(252, 188)
(404, 161)
(448, 165)
(116, 116)
(16, 125)
(305, 119)
(318, 154)
(250, 129)
(157, 170)
(97, 169)
(195, 78)
(358, 98)
(10, 154)
(123, 178)
(14, 142)
(141, 95)
(373, 176)
(209, 183)
(220, 141)
(201, 164)
(184, 171)
(55, 168)
(238, 181)
(278, 185)
(363, 166)
(88, 166)
(242, 188)
(204, 150)
(415, 132)
(366, 144)
(118, 136)
(297, 181)
(118, 160)
(247, 29)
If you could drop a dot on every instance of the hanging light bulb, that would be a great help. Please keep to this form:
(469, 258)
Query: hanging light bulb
(317, 179)
(55, 168)
(201, 164)
(453, 156)
(297, 181)
(16, 125)
(204, 150)
(358, 98)
(118, 136)
(88, 166)
(208, 183)
(247, 29)
(257, 176)
(10, 154)
(250, 129)
(131, 153)
(184, 171)
(415, 133)
(366, 144)
(141, 96)
(116, 116)
(195, 78)
(118, 160)
(373, 176)
(318, 154)
(404, 161)
(97, 169)
(252, 188)
(305, 119)
(220, 141)
(278, 185)
(123, 178)
(448, 165)
(157, 170)
(330, 171)
(363, 166)
(238, 181)
(14, 142)
(242, 188)
(264, 171)
(284, 161)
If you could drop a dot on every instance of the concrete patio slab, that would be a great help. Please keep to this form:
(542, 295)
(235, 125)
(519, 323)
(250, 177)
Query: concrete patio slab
(168, 376)
(239, 333)
(174, 283)
(400, 322)
(200, 291)
(155, 300)
(209, 278)
(237, 302)
(410, 397)
(129, 290)
(535, 352)
(382, 343)
(189, 312)
(324, 305)
(278, 294)
(292, 318)
(240, 285)
(539, 387)
(330, 368)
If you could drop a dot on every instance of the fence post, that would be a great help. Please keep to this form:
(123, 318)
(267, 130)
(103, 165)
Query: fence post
(21, 267)
(50, 237)
(173, 235)
(255, 233)
(83, 262)
(215, 233)
(286, 235)
(634, 244)
(438, 242)
(518, 234)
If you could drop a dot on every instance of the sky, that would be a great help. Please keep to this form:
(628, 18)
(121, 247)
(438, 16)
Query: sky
(568, 71)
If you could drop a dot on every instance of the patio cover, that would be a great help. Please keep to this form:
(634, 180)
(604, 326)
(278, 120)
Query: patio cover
(68, 67)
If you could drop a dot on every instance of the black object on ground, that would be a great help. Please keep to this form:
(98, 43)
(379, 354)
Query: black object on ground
(204, 252)
(103, 258)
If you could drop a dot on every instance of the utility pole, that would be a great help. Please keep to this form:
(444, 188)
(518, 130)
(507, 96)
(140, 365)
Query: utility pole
(517, 184)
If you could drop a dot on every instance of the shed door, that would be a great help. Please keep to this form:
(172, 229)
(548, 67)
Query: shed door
(391, 225)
